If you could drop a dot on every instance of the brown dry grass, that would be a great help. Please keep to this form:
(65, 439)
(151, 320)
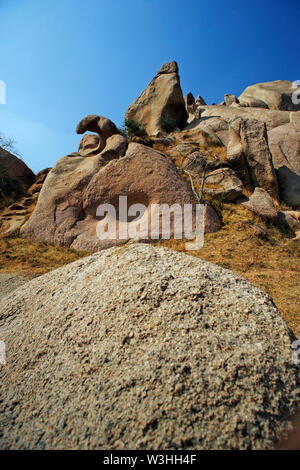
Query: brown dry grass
(24, 256)
(273, 265)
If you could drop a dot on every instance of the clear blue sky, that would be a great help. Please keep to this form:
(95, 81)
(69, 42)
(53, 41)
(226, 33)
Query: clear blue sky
(64, 59)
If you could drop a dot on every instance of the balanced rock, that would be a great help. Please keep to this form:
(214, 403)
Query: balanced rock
(275, 95)
(144, 348)
(161, 105)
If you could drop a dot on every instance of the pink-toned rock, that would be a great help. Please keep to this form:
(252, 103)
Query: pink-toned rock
(98, 124)
(91, 144)
(115, 147)
(212, 222)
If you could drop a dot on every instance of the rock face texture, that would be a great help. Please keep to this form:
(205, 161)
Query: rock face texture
(108, 140)
(275, 95)
(261, 204)
(144, 348)
(161, 104)
(248, 143)
(226, 183)
(13, 217)
(284, 142)
(76, 186)
(272, 118)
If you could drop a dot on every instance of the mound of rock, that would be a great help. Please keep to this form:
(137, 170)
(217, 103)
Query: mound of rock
(273, 95)
(13, 171)
(66, 212)
(144, 348)
(161, 106)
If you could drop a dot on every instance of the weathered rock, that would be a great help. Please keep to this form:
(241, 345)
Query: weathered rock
(215, 128)
(91, 144)
(249, 143)
(13, 171)
(59, 205)
(162, 104)
(66, 209)
(144, 348)
(181, 150)
(276, 95)
(115, 147)
(230, 99)
(226, 184)
(98, 124)
(272, 118)
(189, 99)
(284, 142)
(261, 204)
(200, 101)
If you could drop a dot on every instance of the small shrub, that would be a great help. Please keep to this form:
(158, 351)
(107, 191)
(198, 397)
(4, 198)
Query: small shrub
(167, 123)
(135, 128)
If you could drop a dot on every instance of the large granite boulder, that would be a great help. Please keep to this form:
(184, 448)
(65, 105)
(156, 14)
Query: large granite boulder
(161, 106)
(144, 348)
(275, 95)
(284, 142)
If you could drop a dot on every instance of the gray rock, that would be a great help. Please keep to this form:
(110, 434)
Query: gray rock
(144, 348)
(261, 204)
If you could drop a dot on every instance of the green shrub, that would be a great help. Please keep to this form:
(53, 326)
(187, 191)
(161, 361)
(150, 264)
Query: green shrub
(167, 123)
(135, 128)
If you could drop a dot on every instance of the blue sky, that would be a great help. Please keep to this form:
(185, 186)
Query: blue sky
(64, 59)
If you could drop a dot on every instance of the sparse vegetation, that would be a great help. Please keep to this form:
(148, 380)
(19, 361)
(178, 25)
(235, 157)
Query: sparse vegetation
(135, 129)
(167, 123)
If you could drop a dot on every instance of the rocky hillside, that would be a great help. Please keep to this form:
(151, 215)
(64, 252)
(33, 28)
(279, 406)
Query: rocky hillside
(138, 346)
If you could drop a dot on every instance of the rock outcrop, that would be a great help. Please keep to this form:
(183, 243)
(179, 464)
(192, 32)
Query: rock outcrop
(274, 95)
(284, 142)
(261, 204)
(161, 106)
(225, 184)
(13, 171)
(66, 209)
(248, 149)
(144, 348)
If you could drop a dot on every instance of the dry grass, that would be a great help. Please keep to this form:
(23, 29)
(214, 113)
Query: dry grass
(273, 265)
(24, 256)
